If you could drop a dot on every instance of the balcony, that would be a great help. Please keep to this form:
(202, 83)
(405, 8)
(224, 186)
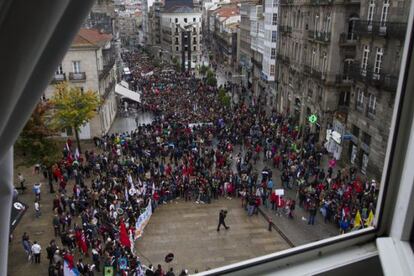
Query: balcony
(321, 2)
(318, 36)
(107, 68)
(382, 80)
(343, 80)
(284, 59)
(383, 29)
(77, 76)
(58, 78)
(314, 73)
(285, 29)
(285, 2)
(347, 39)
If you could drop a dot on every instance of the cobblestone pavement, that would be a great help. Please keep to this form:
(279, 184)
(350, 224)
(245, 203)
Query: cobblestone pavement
(188, 230)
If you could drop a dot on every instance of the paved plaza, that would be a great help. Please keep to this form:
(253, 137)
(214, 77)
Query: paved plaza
(188, 230)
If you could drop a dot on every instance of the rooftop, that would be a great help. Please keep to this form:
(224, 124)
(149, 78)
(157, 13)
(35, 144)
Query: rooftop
(91, 37)
(227, 11)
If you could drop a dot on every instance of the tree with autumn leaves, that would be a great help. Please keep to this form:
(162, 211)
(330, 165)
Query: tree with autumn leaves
(35, 141)
(73, 108)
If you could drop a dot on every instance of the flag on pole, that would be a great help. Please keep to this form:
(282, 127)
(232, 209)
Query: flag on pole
(357, 221)
(80, 238)
(69, 268)
(370, 219)
(77, 154)
(68, 271)
(123, 235)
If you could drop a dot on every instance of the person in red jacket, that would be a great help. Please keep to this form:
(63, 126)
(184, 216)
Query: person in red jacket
(274, 199)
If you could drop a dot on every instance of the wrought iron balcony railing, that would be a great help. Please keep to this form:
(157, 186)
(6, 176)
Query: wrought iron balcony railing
(380, 80)
(77, 76)
(385, 29)
(58, 78)
(319, 36)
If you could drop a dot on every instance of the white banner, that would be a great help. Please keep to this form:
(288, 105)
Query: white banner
(143, 220)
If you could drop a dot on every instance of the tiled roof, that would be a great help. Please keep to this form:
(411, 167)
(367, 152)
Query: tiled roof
(227, 11)
(91, 37)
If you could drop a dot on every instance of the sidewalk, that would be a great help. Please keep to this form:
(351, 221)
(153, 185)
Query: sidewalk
(296, 230)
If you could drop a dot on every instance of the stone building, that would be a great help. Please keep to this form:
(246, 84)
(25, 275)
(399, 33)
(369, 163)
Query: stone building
(312, 49)
(181, 33)
(90, 64)
(380, 34)
(128, 29)
(225, 23)
(101, 17)
(245, 53)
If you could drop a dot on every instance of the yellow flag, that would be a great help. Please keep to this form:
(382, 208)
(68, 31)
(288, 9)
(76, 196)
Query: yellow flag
(357, 221)
(370, 219)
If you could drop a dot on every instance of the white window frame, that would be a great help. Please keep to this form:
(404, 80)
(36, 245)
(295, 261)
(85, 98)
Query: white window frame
(371, 10)
(364, 60)
(59, 70)
(384, 13)
(76, 68)
(360, 99)
(372, 104)
(274, 38)
(378, 63)
(272, 53)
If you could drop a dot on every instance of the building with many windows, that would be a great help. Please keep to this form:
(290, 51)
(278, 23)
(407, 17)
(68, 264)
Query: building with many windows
(90, 64)
(379, 34)
(313, 50)
(181, 33)
(224, 23)
(245, 53)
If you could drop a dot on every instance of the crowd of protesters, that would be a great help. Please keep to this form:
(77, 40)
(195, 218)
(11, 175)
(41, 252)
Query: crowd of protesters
(196, 149)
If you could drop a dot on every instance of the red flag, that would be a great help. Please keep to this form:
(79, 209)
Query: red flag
(69, 258)
(123, 235)
(80, 238)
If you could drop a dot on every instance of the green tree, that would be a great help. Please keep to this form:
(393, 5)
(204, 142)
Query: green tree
(223, 98)
(35, 141)
(211, 78)
(203, 70)
(73, 107)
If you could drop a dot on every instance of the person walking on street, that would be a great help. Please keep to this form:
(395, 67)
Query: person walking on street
(36, 190)
(222, 217)
(36, 249)
(27, 246)
(37, 209)
(312, 214)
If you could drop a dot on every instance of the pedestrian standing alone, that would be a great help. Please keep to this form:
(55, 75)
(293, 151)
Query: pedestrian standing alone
(36, 190)
(36, 249)
(312, 214)
(37, 209)
(222, 217)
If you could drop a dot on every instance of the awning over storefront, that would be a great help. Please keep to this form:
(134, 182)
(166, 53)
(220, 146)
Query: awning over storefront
(119, 89)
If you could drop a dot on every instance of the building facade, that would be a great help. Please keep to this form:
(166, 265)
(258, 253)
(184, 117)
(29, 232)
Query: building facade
(225, 23)
(311, 60)
(380, 34)
(90, 64)
(181, 35)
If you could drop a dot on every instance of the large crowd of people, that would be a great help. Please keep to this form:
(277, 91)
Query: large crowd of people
(196, 149)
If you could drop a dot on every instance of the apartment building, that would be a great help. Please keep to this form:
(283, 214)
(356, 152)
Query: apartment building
(90, 64)
(379, 33)
(181, 33)
(245, 53)
(224, 25)
(313, 48)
